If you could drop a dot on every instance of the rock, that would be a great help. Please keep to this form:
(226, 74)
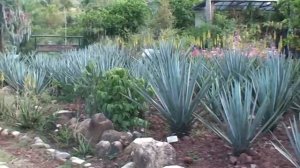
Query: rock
(116, 147)
(3, 166)
(1, 129)
(103, 148)
(15, 134)
(51, 152)
(113, 135)
(136, 134)
(38, 140)
(73, 122)
(149, 153)
(129, 165)
(253, 166)
(40, 145)
(76, 161)
(64, 116)
(245, 159)
(173, 166)
(187, 160)
(24, 140)
(88, 156)
(87, 165)
(5, 132)
(8, 90)
(2, 163)
(92, 129)
(62, 155)
(233, 160)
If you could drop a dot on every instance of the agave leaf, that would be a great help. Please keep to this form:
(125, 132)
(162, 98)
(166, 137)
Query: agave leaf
(294, 138)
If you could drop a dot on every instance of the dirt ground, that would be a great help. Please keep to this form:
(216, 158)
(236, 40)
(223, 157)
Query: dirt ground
(202, 149)
(17, 156)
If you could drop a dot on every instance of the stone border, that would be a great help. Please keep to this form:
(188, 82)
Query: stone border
(38, 143)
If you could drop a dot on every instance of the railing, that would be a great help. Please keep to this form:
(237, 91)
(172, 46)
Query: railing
(56, 47)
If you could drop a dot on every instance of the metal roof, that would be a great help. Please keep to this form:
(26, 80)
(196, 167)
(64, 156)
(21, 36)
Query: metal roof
(266, 5)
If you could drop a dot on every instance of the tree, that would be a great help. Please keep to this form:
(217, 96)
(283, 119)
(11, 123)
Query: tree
(14, 24)
(163, 19)
(182, 10)
(118, 19)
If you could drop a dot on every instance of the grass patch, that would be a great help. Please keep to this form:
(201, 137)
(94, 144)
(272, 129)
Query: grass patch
(5, 157)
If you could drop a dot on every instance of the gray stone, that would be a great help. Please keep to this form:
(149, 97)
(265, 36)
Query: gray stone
(40, 145)
(103, 148)
(87, 165)
(8, 90)
(149, 153)
(113, 135)
(38, 140)
(76, 161)
(51, 152)
(3, 166)
(173, 166)
(24, 140)
(15, 134)
(92, 129)
(136, 134)
(5, 132)
(64, 116)
(116, 147)
(253, 166)
(129, 165)
(62, 155)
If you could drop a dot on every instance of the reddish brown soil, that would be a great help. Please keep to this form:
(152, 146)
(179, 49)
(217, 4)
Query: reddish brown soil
(26, 157)
(206, 150)
(203, 149)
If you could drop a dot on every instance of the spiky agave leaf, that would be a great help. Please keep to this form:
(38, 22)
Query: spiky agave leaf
(294, 137)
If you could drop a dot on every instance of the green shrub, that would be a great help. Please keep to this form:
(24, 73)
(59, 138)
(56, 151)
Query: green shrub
(184, 15)
(116, 98)
(64, 137)
(84, 147)
(30, 116)
(118, 19)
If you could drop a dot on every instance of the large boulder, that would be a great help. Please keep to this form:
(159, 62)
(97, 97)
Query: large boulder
(149, 153)
(92, 129)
